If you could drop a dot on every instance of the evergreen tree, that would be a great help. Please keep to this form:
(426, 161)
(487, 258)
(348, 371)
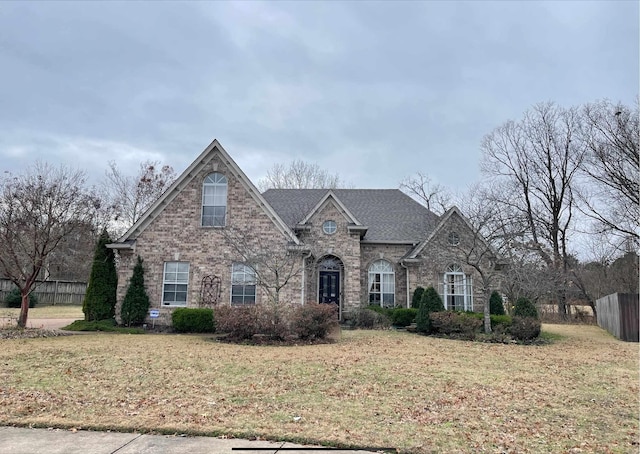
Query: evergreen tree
(423, 321)
(432, 300)
(417, 296)
(525, 308)
(136, 302)
(100, 300)
(429, 302)
(495, 304)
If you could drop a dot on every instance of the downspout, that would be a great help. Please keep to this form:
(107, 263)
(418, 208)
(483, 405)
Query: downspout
(406, 268)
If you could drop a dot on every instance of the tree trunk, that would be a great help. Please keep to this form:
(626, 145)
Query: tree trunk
(487, 310)
(24, 310)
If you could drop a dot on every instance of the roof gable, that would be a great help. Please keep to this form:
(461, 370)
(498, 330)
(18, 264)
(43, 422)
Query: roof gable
(390, 215)
(444, 221)
(214, 149)
(328, 198)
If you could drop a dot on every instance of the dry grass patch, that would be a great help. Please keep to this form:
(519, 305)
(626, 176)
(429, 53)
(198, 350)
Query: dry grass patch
(416, 393)
(40, 312)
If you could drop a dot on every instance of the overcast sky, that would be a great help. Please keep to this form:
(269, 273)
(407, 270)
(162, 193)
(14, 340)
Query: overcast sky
(374, 91)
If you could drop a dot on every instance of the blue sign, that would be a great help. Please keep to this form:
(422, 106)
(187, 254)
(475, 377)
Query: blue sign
(154, 314)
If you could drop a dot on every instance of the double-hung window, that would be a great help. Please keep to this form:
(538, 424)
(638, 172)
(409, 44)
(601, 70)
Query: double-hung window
(382, 284)
(175, 284)
(243, 284)
(457, 289)
(214, 200)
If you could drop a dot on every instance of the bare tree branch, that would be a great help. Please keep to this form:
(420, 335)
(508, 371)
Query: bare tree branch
(300, 175)
(38, 211)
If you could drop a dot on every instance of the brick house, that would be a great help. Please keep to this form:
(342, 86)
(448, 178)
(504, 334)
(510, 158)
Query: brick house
(213, 238)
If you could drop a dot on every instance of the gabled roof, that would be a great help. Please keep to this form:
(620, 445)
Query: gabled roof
(444, 220)
(390, 215)
(343, 209)
(185, 178)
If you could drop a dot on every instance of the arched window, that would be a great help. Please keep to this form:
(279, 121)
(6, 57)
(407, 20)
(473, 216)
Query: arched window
(457, 289)
(214, 200)
(382, 284)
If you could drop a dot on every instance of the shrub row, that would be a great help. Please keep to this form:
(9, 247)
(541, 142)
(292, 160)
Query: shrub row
(398, 316)
(276, 322)
(467, 325)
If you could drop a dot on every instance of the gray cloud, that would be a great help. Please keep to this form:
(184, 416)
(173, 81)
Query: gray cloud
(375, 91)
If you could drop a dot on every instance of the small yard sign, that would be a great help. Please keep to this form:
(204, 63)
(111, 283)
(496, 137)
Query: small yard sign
(154, 313)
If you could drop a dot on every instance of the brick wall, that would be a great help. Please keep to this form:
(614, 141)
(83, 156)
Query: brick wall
(177, 235)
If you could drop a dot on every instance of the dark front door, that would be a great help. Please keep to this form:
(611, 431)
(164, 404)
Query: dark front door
(329, 289)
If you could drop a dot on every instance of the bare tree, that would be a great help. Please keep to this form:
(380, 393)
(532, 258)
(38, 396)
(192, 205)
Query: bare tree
(536, 161)
(484, 248)
(432, 195)
(38, 211)
(130, 196)
(275, 263)
(611, 133)
(299, 175)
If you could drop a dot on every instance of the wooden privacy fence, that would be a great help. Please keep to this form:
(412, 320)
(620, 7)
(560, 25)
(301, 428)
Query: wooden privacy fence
(50, 292)
(618, 314)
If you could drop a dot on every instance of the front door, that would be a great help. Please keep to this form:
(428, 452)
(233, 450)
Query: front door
(329, 288)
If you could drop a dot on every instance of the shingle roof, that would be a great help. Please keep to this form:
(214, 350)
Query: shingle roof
(389, 214)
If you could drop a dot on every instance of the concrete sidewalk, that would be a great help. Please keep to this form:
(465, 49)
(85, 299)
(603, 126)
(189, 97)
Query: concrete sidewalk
(15, 440)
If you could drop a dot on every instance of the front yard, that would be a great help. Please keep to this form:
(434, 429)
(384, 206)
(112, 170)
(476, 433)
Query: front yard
(383, 388)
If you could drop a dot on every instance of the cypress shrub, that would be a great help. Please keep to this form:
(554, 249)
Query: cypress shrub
(417, 297)
(193, 320)
(100, 300)
(136, 302)
(14, 299)
(525, 308)
(495, 304)
(423, 320)
(432, 300)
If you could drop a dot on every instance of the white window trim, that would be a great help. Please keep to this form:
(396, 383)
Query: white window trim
(467, 287)
(244, 284)
(332, 223)
(165, 282)
(226, 204)
(382, 273)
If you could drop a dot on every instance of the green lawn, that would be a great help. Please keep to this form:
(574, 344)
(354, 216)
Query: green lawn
(385, 388)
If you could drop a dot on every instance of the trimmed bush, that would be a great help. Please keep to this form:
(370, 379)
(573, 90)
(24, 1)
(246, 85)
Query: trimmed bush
(432, 300)
(403, 317)
(525, 328)
(276, 322)
(365, 318)
(496, 306)
(14, 299)
(100, 300)
(417, 297)
(497, 321)
(314, 321)
(503, 321)
(136, 301)
(239, 323)
(525, 308)
(193, 320)
(458, 324)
